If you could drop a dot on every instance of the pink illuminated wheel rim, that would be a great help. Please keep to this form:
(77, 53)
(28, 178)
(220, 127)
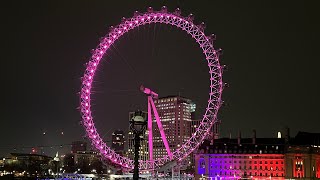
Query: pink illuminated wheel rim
(216, 86)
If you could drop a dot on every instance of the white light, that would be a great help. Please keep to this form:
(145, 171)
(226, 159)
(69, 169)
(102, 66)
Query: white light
(279, 134)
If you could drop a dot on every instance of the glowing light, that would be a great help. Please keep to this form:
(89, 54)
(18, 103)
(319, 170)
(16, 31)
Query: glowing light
(216, 85)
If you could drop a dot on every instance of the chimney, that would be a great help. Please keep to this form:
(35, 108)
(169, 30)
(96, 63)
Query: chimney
(254, 136)
(287, 134)
(239, 137)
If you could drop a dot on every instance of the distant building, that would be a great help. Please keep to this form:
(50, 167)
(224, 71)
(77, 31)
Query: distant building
(78, 146)
(85, 158)
(118, 140)
(32, 165)
(260, 158)
(144, 146)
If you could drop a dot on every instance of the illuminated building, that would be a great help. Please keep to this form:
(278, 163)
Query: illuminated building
(118, 140)
(22, 164)
(85, 158)
(253, 158)
(144, 148)
(260, 158)
(303, 156)
(176, 115)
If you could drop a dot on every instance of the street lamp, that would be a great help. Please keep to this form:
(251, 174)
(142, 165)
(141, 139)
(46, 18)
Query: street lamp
(138, 125)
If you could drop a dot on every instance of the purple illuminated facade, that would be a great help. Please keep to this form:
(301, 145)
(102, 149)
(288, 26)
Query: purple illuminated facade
(228, 159)
(215, 89)
(260, 158)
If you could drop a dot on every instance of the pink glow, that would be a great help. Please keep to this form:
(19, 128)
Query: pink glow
(215, 80)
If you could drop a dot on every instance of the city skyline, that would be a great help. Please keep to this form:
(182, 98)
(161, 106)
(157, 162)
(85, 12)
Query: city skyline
(269, 49)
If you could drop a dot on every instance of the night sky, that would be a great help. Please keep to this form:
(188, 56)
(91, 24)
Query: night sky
(271, 49)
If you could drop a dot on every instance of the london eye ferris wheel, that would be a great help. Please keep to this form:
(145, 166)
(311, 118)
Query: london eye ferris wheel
(205, 43)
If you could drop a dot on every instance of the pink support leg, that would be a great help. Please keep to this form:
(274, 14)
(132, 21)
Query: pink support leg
(150, 129)
(165, 142)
